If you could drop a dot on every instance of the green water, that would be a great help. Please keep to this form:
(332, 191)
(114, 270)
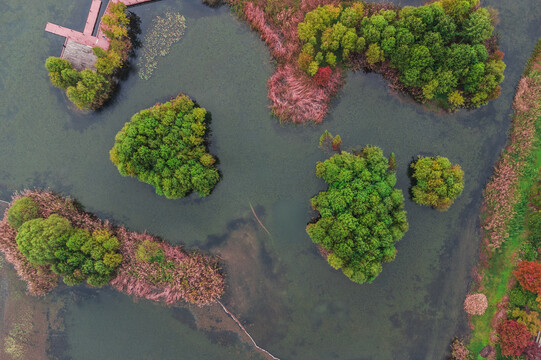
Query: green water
(293, 303)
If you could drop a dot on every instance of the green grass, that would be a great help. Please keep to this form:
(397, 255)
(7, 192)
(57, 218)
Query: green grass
(503, 261)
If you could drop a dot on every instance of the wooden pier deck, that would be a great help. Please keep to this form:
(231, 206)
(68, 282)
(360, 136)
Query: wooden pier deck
(92, 17)
(77, 36)
(78, 45)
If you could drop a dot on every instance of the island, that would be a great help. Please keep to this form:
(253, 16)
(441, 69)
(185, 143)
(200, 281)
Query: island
(165, 146)
(47, 237)
(361, 215)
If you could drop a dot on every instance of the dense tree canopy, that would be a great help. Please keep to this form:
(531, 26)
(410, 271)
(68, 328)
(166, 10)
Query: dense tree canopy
(361, 214)
(165, 146)
(437, 182)
(39, 239)
(442, 51)
(73, 253)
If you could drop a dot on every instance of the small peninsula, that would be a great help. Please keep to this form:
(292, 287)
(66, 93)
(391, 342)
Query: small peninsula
(89, 73)
(47, 237)
(444, 53)
(165, 146)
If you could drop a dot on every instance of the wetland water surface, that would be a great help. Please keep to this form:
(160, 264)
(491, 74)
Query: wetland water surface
(289, 299)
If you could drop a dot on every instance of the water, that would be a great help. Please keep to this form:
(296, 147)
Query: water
(291, 301)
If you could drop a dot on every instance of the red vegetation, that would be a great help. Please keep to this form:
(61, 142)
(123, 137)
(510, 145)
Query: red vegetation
(297, 97)
(514, 337)
(532, 351)
(193, 278)
(323, 76)
(190, 277)
(528, 274)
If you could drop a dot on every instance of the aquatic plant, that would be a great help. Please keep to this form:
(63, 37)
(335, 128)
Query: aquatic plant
(164, 146)
(437, 182)
(165, 32)
(296, 98)
(361, 214)
(176, 276)
(500, 194)
(173, 277)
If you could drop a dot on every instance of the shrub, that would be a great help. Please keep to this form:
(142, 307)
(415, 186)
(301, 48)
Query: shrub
(21, 211)
(475, 304)
(532, 351)
(459, 351)
(528, 318)
(323, 75)
(437, 182)
(164, 146)
(361, 214)
(528, 274)
(513, 337)
(149, 251)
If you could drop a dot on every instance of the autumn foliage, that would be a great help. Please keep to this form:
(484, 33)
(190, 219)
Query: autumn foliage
(528, 274)
(514, 337)
(323, 76)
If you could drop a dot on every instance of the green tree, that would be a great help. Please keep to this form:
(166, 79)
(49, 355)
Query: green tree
(374, 54)
(437, 48)
(89, 91)
(165, 146)
(55, 66)
(361, 214)
(21, 211)
(39, 239)
(437, 182)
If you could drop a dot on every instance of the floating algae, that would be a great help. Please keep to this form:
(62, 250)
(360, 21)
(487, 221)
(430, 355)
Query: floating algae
(165, 32)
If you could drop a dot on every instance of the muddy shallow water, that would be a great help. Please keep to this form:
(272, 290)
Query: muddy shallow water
(288, 298)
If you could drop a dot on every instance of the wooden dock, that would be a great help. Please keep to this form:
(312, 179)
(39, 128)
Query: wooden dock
(92, 17)
(78, 45)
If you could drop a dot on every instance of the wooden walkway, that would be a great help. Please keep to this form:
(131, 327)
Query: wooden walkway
(92, 17)
(77, 36)
(85, 37)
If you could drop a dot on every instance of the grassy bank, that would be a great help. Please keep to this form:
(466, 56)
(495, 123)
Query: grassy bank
(508, 202)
